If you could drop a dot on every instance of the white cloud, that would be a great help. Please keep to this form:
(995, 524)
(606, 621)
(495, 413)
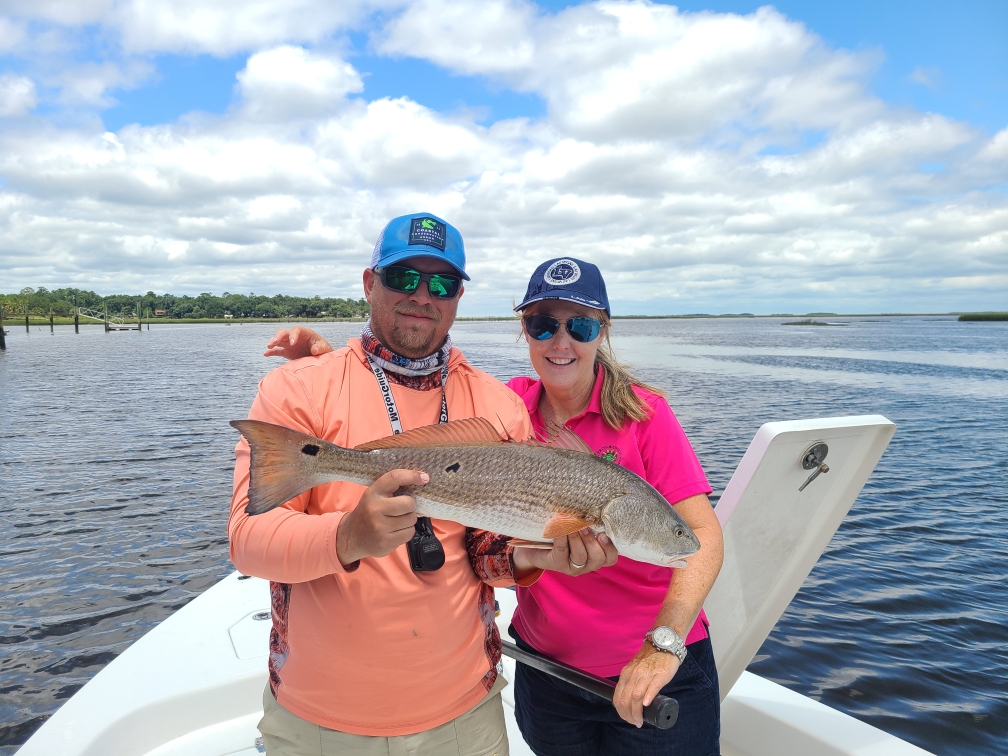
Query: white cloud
(613, 70)
(928, 77)
(708, 162)
(89, 83)
(17, 95)
(289, 82)
(67, 12)
(10, 35)
(997, 148)
(221, 28)
(491, 37)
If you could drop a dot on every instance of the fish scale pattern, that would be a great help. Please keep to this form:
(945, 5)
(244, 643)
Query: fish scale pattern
(526, 485)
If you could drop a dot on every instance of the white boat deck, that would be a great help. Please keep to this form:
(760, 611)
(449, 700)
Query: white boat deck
(194, 684)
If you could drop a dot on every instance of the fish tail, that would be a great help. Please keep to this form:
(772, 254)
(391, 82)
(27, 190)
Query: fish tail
(281, 463)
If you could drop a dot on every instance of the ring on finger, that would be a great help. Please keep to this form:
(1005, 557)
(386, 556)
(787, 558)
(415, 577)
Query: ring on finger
(576, 566)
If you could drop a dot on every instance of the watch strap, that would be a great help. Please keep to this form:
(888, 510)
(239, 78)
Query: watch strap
(677, 647)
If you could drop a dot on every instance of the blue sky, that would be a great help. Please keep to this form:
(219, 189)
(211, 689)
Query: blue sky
(944, 57)
(821, 156)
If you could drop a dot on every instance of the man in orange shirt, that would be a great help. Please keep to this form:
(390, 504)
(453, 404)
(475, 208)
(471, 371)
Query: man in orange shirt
(369, 653)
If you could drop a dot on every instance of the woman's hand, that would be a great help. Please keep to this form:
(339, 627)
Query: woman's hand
(298, 342)
(641, 680)
(575, 554)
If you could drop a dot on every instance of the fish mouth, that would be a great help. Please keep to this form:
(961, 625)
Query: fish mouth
(676, 560)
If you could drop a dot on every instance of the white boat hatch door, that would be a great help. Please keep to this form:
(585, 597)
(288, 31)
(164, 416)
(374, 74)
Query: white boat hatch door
(774, 533)
(250, 635)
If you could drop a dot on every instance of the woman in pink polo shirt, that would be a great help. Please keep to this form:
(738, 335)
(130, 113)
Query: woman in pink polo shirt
(602, 622)
(639, 623)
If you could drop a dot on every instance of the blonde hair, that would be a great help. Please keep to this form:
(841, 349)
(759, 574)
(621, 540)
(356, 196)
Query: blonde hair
(619, 400)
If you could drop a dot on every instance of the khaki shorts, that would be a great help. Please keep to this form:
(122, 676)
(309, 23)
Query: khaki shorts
(479, 732)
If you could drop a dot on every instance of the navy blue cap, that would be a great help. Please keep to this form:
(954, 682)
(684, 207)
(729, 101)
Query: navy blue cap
(419, 235)
(570, 280)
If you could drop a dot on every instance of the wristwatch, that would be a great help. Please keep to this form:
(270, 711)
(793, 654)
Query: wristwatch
(667, 639)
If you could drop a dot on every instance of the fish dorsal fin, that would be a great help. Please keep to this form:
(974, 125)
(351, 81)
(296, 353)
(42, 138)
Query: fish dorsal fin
(474, 430)
(561, 437)
(563, 524)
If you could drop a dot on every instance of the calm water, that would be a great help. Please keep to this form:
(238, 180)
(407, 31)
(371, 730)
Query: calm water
(115, 479)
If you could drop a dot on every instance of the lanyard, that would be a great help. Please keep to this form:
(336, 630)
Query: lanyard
(390, 405)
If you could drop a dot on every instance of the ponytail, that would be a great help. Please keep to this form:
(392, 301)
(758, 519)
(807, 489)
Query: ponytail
(619, 400)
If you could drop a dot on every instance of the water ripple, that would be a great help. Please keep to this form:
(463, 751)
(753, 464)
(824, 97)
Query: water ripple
(115, 481)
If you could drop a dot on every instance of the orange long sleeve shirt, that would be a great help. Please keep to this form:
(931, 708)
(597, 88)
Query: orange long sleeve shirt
(381, 650)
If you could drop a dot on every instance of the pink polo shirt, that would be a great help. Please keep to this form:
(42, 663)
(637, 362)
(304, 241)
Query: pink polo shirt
(597, 622)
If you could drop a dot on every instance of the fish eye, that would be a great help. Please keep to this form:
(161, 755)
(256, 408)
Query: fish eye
(679, 532)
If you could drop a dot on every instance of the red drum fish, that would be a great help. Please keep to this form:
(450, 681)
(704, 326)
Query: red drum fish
(532, 491)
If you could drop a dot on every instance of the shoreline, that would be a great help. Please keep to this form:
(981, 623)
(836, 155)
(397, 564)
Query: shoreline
(11, 325)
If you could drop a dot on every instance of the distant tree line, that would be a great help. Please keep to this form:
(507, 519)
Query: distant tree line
(42, 301)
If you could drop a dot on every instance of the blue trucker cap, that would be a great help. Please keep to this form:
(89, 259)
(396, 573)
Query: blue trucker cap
(570, 280)
(419, 235)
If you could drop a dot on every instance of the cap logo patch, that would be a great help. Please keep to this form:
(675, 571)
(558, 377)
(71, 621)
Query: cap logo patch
(562, 273)
(427, 231)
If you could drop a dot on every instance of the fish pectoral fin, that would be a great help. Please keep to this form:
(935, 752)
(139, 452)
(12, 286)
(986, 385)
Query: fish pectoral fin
(473, 430)
(526, 543)
(564, 524)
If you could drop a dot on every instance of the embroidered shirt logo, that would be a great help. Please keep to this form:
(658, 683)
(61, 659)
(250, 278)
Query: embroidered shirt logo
(562, 273)
(427, 231)
(609, 454)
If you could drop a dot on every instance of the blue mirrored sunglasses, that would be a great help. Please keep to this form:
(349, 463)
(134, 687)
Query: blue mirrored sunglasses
(543, 327)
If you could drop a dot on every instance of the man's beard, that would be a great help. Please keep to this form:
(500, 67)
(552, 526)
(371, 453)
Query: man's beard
(416, 341)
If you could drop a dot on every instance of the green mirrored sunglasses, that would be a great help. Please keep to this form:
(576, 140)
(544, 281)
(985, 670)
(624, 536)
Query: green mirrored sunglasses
(407, 280)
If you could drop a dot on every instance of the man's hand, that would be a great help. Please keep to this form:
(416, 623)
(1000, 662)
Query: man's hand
(575, 554)
(641, 680)
(382, 520)
(298, 342)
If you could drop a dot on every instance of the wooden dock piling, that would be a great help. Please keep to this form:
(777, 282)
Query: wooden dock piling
(51, 328)
(76, 321)
(3, 334)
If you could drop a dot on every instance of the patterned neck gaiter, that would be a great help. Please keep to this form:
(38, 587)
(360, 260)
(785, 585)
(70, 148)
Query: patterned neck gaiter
(423, 374)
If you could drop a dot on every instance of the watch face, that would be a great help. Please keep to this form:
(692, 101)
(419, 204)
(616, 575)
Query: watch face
(663, 636)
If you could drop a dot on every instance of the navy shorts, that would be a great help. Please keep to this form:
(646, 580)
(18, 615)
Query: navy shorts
(559, 719)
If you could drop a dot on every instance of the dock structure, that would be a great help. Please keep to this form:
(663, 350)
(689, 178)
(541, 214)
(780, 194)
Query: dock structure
(111, 322)
(3, 333)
